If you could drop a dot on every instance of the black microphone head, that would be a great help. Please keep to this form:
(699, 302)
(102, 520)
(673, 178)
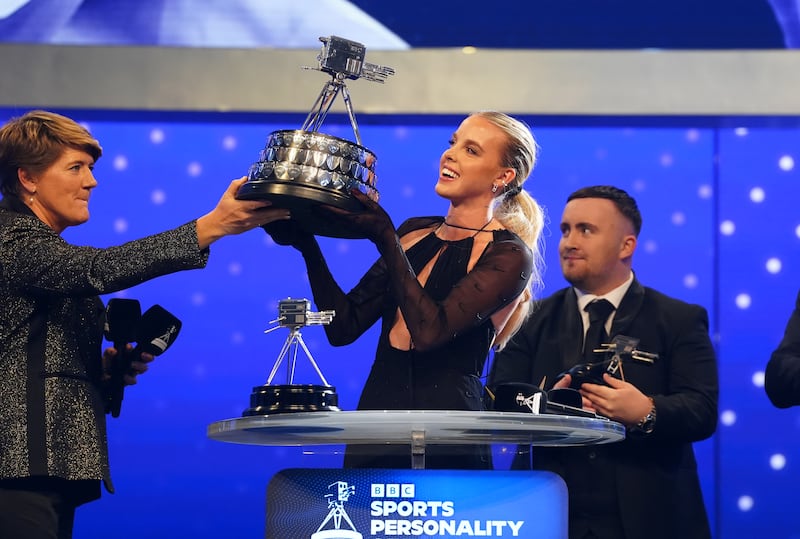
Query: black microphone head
(122, 320)
(519, 397)
(566, 396)
(157, 331)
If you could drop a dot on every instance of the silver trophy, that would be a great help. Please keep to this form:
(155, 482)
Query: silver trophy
(290, 397)
(299, 169)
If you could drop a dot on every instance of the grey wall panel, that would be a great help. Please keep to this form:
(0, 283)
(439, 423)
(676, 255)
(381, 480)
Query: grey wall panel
(428, 81)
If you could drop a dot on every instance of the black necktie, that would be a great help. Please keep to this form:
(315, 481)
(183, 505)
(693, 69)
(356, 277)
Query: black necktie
(596, 335)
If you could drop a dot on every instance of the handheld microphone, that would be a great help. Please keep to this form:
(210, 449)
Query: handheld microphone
(120, 328)
(122, 321)
(157, 330)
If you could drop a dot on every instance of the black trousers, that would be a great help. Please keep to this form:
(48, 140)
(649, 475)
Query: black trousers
(34, 514)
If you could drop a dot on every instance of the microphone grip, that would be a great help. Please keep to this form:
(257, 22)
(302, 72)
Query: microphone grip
(120, 364)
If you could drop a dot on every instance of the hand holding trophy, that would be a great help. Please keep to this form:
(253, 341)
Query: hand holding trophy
(301, 169)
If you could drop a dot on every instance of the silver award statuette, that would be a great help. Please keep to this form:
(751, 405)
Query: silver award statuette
(299, 169)
(290, 397)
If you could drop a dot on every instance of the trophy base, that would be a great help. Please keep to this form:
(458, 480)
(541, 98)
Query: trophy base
(288, 398)
(301, 201)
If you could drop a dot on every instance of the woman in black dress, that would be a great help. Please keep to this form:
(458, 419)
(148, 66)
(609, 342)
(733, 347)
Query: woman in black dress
(447, 289)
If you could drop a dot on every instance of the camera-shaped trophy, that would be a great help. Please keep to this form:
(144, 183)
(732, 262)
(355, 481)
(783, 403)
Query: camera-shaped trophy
(300, 169)
(290, 397)
(622, 349)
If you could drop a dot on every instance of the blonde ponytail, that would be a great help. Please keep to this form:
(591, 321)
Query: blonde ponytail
(519, 212)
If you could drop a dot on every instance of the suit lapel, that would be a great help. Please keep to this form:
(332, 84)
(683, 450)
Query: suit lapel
(628, 309)
(570, 331)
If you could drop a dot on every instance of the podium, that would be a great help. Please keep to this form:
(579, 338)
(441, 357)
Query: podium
(388, 503)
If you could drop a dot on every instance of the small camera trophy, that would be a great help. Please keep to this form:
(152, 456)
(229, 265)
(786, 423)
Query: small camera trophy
(290, 397)
(622, 349)
(299, 169)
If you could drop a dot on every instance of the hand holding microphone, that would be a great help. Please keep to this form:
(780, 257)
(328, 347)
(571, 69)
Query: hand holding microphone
(153, 332)
(121, 324)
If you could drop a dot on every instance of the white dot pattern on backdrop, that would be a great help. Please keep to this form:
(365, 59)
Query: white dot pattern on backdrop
(728, 418)
(175, 172)
(774, 265)
(120, 162)
(786, 163)
(777, 462)
(727, 228)
(746, 503)
(743, 301)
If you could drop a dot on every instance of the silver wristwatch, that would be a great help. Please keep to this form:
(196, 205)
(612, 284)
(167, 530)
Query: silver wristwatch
(648, 423)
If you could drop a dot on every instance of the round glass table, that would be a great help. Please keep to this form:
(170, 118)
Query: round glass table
(416, 428)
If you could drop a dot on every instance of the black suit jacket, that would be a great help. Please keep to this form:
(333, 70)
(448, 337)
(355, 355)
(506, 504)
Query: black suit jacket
(782, 377)
(657, 487)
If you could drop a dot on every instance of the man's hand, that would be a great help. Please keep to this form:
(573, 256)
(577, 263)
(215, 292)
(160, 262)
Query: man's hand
(619, 401)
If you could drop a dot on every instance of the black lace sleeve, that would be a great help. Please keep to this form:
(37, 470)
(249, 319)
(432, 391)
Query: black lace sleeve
(357, 310)
(499, 276)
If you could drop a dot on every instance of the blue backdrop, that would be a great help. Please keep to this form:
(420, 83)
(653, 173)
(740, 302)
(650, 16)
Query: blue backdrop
(720, 229)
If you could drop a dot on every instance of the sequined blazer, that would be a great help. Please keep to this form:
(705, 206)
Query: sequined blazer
(52, 420)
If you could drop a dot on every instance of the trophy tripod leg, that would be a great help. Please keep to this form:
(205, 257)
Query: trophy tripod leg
(311, 359)
(350, 113)
(282, 354)
(293, 362)
(322, 105)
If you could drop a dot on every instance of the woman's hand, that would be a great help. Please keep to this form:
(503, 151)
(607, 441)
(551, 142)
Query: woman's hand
(289, 232)
(372, 222)
(234, 216)
(139, 365)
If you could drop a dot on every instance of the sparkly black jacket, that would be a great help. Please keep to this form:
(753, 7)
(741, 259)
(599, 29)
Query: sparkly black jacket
(52, 421)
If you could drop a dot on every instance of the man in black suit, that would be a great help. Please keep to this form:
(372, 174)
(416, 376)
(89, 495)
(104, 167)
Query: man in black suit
(647, 485)
(782, 377)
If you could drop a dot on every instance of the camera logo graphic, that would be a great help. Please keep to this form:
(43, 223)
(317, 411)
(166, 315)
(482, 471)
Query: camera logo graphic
(337, 515)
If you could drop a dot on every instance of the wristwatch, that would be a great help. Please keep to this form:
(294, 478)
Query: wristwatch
(647, 424)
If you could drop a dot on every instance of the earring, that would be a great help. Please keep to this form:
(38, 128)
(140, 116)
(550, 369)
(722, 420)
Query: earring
(494, 188)
(31, 201)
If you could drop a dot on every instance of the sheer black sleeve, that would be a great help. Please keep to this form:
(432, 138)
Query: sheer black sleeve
(357, 310)
(499, 276)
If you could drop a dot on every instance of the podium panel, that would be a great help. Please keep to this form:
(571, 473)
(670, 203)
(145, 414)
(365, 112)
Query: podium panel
(394, 504)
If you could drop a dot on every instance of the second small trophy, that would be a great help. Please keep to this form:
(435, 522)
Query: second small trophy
(269, 399)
